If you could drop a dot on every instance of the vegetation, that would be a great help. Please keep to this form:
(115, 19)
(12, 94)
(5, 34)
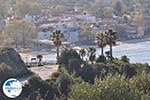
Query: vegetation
(40, 59)
(21, 32)
(111, 40)
(101, 41)
(57, 40)
(100, 77)
(99, 80)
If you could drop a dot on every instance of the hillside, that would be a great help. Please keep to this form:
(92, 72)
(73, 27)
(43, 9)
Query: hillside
(11, 64)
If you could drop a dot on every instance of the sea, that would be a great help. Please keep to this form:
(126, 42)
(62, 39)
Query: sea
(136, 52)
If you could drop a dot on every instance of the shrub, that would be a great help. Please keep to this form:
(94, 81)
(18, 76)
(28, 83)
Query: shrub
(112, 88)
(88, 74)
(64, 82)
(101, 70)
(142, 68)
(101, 59)
(125, 59)
(128, 70)
(141, 83)
(75, 66)
(68, 54)
(46, 90)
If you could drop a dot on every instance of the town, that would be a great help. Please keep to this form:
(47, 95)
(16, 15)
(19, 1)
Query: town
(76, 49)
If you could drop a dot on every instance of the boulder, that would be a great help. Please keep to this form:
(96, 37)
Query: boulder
(11, 64)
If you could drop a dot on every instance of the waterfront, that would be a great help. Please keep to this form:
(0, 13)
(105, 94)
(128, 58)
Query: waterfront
(137, 52)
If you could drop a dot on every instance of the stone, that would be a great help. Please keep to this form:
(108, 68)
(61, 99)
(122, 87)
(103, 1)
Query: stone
(11, 64)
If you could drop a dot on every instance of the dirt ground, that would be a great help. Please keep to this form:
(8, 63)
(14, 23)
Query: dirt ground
(44, 71)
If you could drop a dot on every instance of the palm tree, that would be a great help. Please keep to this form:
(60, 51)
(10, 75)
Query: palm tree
(82, 53)
(111, 40)
(40, 59)
(101, 41)
(57, 40)
(91, 54)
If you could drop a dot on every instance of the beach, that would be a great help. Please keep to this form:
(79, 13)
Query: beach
(137, 50)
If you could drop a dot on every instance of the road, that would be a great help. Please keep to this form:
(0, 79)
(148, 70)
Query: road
(44, 71)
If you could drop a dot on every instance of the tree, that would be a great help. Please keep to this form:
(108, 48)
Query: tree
(101, 41)
(21, 32)
(40, 59)
(27, 7)
(57, 40)
(82, 53)
(91, 54)
(68, 54)
(111, 40)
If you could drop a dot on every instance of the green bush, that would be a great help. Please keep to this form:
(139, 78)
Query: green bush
(63, 83)
(141, 83)
(75, 66)
(88, 74)
(45, 89)
(141, 68)
(111, 88)
(67, 55)
(125, 59)
(101, 59)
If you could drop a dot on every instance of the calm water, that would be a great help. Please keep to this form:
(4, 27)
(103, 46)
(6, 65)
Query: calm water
(137, 52)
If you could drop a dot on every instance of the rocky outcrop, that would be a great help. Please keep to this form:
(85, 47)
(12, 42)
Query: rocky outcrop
(11, 64)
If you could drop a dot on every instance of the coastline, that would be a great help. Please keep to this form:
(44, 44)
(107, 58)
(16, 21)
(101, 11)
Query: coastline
(134, 41)
(29, 55)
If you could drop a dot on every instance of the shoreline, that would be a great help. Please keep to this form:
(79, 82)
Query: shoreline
(135, 41)
(25, 55)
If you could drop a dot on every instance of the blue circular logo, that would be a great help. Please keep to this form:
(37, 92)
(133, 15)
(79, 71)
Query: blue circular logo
(12, 88)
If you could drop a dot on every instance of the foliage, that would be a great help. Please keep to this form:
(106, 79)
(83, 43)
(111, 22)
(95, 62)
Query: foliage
(75, 66)
(112, 88)
(40, 59)
(63, 83)
(125, 59)
(141, 83)
(21, 32)
(111, 40)
(25, 7)
(45, 89)
(101, 41)
(68, 54)
(128, 70)
(88, 74)
(56, 37)
(101, 59)
(141, 68)
(82, 53)
(91, 53)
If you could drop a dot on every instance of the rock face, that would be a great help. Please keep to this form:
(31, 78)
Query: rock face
(11, 64)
